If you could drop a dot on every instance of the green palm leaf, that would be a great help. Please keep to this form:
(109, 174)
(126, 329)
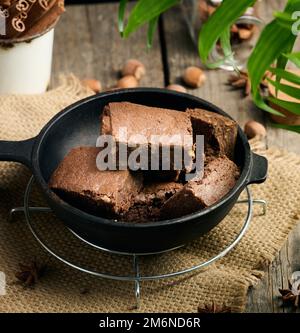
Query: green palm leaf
(275, 44)
(291, 91)
(122, 8)
(222, 19)
(151, 30)
(145, 11)
(269, 48)
(228, 54)
(290, 106)
(282, 60)
(295, 128)
(260, 102)
(286, 75)
(294, 57)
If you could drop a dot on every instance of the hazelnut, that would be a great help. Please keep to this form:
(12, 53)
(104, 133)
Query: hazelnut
(210, 10)
(176, 87)
(245, 33)
(253, 129)
(135, 68)
(93, 84)
(194, 77)
(111, 88)
(128, 81)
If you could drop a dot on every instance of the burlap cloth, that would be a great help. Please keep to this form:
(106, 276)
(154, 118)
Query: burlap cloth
(63, 289)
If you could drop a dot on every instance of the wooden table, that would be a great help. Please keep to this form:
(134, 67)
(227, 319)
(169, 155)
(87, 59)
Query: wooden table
(88, 44)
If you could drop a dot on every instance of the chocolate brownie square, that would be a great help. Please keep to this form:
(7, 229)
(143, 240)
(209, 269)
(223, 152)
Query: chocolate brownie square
(220, 133)
(107, 193)
(149, 201)
(220, 176)
(150, 128)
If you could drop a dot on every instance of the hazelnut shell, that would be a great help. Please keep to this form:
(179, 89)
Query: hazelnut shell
(194, 77)
(93, 84)
(253, 129)
(134, 67)
(176, 87)
(128, 81)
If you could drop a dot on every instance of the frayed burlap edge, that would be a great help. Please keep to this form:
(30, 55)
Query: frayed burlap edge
(71, 85)
(252, 278)
(241, 278)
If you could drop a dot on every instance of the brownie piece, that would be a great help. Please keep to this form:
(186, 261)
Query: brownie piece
(141, 120)
(161, 176)
(220, 133)
(78, 181)
(156, 194)
(220, 176)
(149, 201)
(141, 214)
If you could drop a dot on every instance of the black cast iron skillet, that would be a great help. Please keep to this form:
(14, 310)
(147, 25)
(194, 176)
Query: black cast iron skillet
(78, 125)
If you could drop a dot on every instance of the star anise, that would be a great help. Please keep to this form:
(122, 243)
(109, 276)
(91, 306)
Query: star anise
(214, 308)
(291, 295)
(240, 81)
(30, 274)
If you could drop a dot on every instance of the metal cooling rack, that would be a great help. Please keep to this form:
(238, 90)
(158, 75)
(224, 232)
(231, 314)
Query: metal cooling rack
(136, 278)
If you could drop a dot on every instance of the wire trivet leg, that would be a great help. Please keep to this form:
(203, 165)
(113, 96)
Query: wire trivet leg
(263, 203)
(137, 288)
(22, 210)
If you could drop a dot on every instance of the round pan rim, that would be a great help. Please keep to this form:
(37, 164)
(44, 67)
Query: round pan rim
(241, 183)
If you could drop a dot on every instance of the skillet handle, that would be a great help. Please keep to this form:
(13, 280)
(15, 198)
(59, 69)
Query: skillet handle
(17, 151)
(259, 169)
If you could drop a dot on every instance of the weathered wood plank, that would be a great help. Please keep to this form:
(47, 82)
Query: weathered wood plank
(88, 43)
(182, 53)
(292, 263)
(73, 51)
(285, 262)
(260, 296)
(265, 297)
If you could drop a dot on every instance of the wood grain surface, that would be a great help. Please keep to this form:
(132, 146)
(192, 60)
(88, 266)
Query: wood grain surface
(88, 44)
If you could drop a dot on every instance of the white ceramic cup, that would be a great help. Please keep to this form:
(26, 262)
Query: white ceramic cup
(25, 65)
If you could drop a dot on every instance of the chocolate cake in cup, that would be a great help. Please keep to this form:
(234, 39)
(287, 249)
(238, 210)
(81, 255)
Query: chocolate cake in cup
(26, 44)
